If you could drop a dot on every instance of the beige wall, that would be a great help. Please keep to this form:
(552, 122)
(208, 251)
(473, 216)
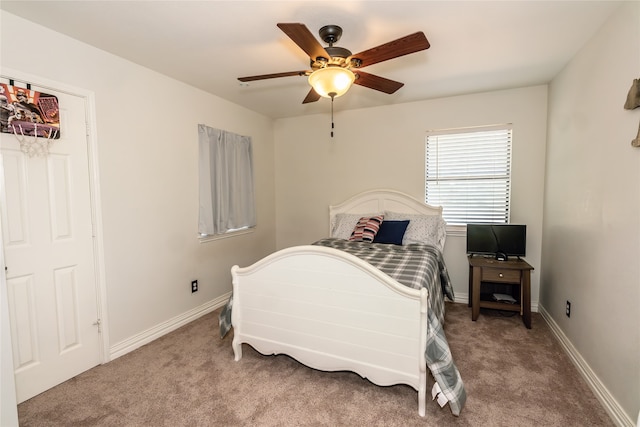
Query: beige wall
(384, 148)
(591, 241)
(148, 163)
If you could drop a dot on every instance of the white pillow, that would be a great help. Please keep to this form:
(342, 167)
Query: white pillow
(429, 229)
(343, 224)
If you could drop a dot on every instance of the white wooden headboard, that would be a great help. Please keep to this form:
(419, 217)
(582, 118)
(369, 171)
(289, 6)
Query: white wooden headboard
(375, 201)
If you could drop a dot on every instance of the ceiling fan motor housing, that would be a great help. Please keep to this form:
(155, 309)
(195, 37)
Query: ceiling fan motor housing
(339, 52)
(330, 34)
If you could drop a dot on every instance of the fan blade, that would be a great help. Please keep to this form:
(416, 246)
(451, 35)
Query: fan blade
(312, 96)
(376, 82)
(301, 36)
(403, 46)
(273, 76)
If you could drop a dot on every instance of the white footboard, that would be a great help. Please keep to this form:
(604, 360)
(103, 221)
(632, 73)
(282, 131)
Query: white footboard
(331, 311)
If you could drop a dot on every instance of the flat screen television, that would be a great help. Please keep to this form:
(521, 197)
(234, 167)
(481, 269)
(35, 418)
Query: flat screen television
(498, 240)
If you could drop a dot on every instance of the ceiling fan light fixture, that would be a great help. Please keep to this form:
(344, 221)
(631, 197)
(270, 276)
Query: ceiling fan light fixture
(331, 82)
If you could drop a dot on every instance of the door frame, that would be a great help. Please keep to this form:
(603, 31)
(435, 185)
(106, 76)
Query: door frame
(9, 403)
(94, 190)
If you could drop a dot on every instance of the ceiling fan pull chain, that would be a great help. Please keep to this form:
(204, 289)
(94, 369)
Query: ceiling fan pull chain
(332, 95)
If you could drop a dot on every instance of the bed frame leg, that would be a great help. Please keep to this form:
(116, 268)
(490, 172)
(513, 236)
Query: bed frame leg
(422, 384)
(237, 349)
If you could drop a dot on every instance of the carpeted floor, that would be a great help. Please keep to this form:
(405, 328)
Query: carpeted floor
(513, 377)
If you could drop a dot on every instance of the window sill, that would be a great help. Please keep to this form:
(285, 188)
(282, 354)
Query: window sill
(213, 237)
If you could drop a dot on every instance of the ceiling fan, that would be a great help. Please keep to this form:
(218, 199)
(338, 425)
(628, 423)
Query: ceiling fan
(334, 69)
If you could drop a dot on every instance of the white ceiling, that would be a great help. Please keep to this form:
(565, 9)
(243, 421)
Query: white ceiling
(476, 46)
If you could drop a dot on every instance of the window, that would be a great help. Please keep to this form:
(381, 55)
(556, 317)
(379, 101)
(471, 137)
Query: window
(468, 173)
(227, 202)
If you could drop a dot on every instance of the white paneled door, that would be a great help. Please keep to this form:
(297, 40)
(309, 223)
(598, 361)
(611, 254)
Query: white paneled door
(49, 254)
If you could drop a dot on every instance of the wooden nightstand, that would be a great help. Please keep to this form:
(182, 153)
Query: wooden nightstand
(511, 272)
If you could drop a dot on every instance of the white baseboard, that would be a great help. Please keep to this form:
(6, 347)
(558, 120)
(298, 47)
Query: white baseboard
(145, 337)
(613, 408)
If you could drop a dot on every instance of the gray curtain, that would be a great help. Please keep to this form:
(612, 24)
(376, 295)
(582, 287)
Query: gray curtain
(227, 200)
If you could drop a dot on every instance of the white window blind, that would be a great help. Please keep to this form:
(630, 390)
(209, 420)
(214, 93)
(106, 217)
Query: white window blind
(468, 173)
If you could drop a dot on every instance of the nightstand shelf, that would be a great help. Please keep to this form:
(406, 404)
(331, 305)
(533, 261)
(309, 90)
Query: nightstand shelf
(503, 273)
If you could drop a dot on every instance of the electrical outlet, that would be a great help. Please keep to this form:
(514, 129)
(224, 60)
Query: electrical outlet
(194, 286)
(568, 310)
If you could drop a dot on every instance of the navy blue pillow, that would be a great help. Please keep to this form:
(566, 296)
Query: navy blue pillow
(391, 232)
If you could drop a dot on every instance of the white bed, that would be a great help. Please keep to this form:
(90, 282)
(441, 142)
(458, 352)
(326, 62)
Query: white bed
(333, 311)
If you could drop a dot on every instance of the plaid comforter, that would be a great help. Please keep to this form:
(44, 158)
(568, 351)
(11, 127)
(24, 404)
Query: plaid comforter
(416, 266)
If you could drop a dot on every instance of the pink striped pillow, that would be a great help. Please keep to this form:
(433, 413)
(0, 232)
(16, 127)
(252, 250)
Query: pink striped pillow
(366, 228)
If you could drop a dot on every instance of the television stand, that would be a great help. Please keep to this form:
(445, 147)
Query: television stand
(511, 272)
